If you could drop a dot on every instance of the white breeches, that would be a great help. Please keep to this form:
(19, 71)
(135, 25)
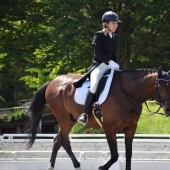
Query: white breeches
(95, 76)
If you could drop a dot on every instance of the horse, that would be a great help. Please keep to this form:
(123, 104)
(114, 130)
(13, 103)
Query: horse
(121, 110)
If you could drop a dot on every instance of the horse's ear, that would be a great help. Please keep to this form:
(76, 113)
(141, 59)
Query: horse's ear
(160, 71)
(169, 72)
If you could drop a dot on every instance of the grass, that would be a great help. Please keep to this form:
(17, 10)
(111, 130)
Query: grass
(150, 123)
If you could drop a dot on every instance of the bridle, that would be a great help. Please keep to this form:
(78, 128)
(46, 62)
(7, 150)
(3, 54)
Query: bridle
(161, 99)
(156, 93)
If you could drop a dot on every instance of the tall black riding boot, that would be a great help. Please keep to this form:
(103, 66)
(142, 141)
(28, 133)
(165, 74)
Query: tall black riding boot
(83, 118)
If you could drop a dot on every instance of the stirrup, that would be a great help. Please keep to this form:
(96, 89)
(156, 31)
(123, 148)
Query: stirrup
(83, 119)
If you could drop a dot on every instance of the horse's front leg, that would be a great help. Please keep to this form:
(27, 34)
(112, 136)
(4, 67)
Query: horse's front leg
(129, 135)
(112, 142)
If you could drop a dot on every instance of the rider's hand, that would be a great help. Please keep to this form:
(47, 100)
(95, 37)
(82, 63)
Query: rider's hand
(114, 65)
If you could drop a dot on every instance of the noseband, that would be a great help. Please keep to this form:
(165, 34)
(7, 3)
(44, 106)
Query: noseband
(161, 99)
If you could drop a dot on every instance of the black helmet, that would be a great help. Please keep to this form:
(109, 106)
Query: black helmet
(110, 16)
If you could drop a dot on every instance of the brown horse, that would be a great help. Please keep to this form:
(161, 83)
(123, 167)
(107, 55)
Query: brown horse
(121, 110)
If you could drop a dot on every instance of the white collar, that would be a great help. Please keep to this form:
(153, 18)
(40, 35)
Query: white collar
(111, 35)
(105, 33)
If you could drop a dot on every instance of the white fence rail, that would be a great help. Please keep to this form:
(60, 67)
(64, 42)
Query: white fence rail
(85, 138)
(81, 155)
(86, 163)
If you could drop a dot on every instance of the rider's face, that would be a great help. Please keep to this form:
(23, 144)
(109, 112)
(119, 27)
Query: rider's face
(112, 26)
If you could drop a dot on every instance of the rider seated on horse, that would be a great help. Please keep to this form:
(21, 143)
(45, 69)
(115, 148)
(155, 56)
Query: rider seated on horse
(105, 47)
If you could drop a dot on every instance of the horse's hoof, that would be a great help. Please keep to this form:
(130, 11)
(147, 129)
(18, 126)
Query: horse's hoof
(78, 168)
(50, 168)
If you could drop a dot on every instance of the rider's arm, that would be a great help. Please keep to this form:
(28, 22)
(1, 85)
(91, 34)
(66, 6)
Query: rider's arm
(98, 49)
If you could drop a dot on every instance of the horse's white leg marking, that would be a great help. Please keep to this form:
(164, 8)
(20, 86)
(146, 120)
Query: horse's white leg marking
(78, 168)
(50, 167)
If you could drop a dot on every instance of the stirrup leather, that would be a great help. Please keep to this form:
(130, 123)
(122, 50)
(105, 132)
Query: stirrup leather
(98, 115)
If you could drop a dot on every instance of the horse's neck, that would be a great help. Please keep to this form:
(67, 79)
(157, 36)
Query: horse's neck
(139, 86)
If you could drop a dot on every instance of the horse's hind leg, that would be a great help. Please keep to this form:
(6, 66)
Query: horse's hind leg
(62, 139)
(66, 145)
(56, 147)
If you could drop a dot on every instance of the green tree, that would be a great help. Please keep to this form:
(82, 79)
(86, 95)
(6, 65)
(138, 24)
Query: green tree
(41, 39)
(143, 33)
(22, 32)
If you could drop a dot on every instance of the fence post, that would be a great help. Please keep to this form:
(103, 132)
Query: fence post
(14, 156)
(40, 127)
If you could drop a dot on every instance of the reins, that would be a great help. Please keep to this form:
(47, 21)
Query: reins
(152, 111)
(129, 99)
(126, 95)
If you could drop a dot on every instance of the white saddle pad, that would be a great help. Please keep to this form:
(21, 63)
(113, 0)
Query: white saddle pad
(81, 93)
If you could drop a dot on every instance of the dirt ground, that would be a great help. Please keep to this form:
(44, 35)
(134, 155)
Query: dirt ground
(137, 146)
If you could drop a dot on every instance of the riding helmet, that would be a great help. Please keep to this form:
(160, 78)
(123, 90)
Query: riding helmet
(110, 16)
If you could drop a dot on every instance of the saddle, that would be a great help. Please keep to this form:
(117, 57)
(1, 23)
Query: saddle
(102, 84)
(101, 93)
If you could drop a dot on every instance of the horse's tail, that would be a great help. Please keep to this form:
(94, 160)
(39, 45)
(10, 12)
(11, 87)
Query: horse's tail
(36, 108)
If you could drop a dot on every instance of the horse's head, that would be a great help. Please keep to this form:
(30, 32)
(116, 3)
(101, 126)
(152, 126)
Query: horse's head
(162, 90)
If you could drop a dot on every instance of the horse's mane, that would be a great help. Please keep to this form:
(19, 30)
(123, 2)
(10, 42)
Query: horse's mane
(140, 70)
(144, 70)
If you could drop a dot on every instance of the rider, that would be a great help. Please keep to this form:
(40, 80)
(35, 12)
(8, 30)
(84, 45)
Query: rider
(105, 47)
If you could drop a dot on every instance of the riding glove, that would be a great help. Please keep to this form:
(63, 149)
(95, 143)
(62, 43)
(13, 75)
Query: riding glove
(114, 65)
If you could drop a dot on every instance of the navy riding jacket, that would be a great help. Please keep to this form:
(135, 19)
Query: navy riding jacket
(105, 48)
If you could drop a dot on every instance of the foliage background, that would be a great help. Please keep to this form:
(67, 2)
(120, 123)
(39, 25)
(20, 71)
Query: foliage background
(41, 39)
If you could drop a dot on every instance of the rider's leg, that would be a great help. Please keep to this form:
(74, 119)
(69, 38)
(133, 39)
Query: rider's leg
(83, 119)
(94, 80)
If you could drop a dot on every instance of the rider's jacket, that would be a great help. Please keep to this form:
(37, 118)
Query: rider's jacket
(105, 48)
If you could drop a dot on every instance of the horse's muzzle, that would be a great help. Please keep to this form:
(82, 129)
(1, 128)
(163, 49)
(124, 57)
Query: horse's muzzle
(167, 110)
